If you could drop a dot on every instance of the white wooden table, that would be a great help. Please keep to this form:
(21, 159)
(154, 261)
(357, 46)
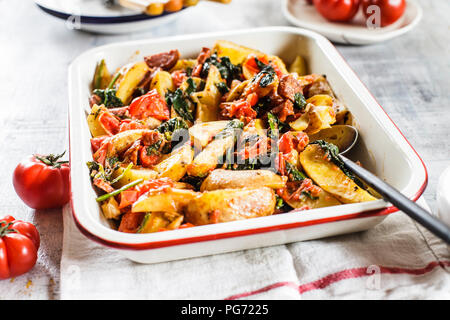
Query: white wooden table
(409, 76)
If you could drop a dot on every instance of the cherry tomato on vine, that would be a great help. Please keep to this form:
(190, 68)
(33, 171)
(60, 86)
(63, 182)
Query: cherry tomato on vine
(337, 10)
(19, 243)
(42, 182)
(390, 10)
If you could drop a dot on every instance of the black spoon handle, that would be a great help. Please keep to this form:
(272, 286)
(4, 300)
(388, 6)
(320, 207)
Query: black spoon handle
(392, 195)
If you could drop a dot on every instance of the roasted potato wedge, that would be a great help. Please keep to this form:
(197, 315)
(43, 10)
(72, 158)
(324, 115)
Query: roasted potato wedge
(184, 64)
(330, 177)
(133, 174)
(208, 100)
(203, 132)
(234, 179)
(129, 81)
(209, 157)
(174, 167)
(92, 119)
(110, 209)
(165, 200)
(155, 221)
(162, 81)
(123, 140)
(102, 77)
(230, 205)
(298, 66)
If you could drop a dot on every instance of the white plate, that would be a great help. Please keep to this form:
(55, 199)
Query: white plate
(382, 149)
(299, 13)
(93, 16)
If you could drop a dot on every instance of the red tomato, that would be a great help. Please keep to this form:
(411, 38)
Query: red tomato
(390, 10)
(337, 10)
(178, 77)
(128, 197)
(19, 242)
(150, 105)
(109, 122)
(128, 124)
(42, 182)
(286, 143)
(97, 142)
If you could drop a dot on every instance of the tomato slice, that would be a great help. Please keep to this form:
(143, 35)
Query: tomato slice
(286, 143)
(129, 124)
(153, 184)
(150, 104)
(97, 142)
(178, 76)
(109, 123)
(130, 221)
(128, 197)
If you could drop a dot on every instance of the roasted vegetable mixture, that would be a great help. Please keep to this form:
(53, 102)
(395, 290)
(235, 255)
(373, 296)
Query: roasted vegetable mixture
(179, 142)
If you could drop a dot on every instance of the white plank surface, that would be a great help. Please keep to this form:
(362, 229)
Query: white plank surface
(409, 76)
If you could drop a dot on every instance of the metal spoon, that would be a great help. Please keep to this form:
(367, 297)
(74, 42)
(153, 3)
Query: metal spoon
(344, 137)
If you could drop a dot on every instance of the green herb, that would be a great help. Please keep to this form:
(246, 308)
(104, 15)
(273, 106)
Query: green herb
(309, 195)
(222, 86)
(170, 127)
(112, 161)
(113, 81)
(267, 73)
(97, 171)
(275, 125)
(179, 103)
(144, 222)
(279, 202)
(262, 105)
(191, 86)
(116, 192)
(124, 172)
(230, 129)
(333, 155)
(227, 70)
(188, 71)
(155, 148)
(299, 101)
(108, 97)
(293, 173)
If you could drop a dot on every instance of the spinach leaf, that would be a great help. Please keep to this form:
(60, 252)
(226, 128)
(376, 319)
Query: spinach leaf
(267, 73)
(332, 154)
(108, 97)
(299, 101)
(191, 86)
(293, 173)
(227, 70)
(222, 86)
(178, 101)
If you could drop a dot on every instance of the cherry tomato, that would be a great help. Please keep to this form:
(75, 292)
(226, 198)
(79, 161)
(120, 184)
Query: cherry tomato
(337, 10)
(150, 104)
(42, 182)
(390, 10)
(19, 242)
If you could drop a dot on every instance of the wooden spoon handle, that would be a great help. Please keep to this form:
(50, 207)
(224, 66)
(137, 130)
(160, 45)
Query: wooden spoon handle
(392, 195)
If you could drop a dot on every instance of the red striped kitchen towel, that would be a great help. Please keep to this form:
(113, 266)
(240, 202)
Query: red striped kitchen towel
(397, 259)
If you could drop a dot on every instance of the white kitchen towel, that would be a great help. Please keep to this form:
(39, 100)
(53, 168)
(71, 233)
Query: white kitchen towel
(397, 259)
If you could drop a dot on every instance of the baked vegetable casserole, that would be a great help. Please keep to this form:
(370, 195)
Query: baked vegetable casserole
(227, 135)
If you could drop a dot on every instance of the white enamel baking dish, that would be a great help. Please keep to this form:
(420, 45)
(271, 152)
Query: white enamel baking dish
(382, 149)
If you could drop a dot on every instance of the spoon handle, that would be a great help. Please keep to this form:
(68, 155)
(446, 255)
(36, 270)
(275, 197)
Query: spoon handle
(436, 226)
